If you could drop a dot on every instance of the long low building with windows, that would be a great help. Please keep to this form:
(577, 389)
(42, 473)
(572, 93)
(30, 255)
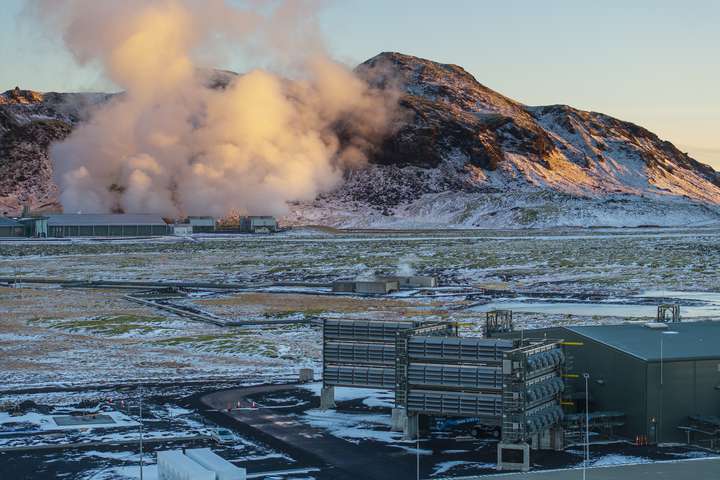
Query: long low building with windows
(106, 225)
(11, 228)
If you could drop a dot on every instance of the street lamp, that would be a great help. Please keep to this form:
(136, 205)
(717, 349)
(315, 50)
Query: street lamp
(586, 376)
(417, 456)
(662, 392)
(140, 392)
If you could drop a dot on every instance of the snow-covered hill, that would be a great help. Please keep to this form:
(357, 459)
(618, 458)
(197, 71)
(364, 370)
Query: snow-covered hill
(461, 155)
(467, 156)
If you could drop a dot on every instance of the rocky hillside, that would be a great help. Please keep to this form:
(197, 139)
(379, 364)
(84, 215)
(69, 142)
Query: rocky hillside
(462, 155)
(466, 155)
(29, 123)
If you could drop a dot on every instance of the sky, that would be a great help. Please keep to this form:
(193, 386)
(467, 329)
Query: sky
(653, 62)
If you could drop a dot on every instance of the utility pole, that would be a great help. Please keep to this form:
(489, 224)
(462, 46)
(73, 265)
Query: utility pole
(586, 376)
(417, 456)
(141, 433)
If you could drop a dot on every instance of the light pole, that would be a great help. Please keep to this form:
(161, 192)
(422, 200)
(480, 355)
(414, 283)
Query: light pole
(662, 391)
(586, 376)
(417, 456)
(141, 433)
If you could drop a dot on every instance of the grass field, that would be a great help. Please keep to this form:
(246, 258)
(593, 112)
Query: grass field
(53, 335)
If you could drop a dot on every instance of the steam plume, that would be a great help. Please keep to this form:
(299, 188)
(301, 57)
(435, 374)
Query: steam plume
(171, 145)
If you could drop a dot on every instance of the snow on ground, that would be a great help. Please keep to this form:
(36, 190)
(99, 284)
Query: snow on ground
(353, 427)
(370, 397)
(617, 459)
(55, 336)
(149, 472)
(48, 422)
(445, 467)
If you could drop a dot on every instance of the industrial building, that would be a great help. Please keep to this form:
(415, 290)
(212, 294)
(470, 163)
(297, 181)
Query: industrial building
(512, 385)
(201, 224)
(372, 286)
(413, 281)
(650, 383)
(663, 379)
(196, 464)
(182, 229)
(382, 285)
(11, 228)
(258, 224)
(105, 225)
(36, 226)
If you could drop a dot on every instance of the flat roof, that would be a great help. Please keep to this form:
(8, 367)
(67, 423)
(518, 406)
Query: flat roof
(202, 221)
(691, 340)
(73, 219)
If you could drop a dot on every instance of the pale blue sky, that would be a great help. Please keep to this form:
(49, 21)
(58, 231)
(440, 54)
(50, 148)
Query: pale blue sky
(656, 63)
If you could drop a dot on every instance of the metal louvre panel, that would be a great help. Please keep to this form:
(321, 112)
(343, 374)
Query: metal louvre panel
(542, 391)
(359, 330)
(455, 376)
(458, 349)
(359, 353)
(359, 376)
(454, 403)
(544, 418)
(545, 360)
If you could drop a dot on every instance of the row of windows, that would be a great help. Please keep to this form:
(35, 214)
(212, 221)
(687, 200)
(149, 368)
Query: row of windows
(106, 230)
(12, 231)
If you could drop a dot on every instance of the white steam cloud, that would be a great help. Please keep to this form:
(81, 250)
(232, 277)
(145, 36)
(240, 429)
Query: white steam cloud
(171, 145)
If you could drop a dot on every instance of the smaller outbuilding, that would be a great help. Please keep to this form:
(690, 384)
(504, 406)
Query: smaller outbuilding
(202, 224)
(258, 224)
(196, 464)
(414, 281)
(182, 229)
(374, 286)
(343, 286)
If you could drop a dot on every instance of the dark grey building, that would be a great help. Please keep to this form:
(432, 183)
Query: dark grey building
(658, 376)
(106, 225)
(11, 228)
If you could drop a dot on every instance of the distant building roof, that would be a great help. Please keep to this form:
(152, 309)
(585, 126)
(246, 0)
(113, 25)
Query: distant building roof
(202, 221)
(8, 222)
(59, 219)
(693, 340)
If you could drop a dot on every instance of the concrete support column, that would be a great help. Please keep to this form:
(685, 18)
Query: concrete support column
(544, 440)
(327, 397)
(412, 427)
(399, 420)
(305, 375)
(513, 456)
(535, 441)
(557, 439)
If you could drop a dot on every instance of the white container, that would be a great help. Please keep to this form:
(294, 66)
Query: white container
(173, 465)
(210, 460)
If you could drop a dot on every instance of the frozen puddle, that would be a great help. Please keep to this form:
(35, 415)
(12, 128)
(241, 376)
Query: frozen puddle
(353, 427)
(601, 309)
(371, 397)
(710, 297)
